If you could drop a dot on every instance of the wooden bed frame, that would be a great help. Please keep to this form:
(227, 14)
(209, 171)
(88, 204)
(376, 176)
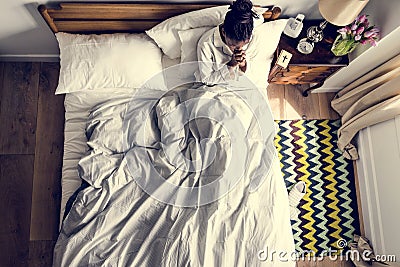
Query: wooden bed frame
(119, 17)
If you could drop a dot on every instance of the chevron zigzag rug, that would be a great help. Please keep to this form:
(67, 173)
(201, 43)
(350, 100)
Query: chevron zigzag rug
(328, 212)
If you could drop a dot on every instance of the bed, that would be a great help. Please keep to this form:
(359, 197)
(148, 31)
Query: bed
(123, 128)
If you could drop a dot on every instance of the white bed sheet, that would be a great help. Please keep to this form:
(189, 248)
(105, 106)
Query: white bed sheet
(274, 222)
(78, 106)
(77, 109)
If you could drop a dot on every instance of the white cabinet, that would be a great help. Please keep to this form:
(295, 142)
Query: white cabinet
(379, 181)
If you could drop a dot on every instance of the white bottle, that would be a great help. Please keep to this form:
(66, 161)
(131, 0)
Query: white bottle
(294, 26)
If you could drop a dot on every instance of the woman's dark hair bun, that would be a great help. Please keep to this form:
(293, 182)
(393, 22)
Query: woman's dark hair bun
(242, 10)
(243, 6)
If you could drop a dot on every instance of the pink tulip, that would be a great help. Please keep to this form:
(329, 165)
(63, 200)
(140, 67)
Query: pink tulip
(357, 37)
(354, 27)
(360, 30)
(365, 41)
(373, 42)
(369, 34)
(362, 18)
(375, 29)
(374, 35)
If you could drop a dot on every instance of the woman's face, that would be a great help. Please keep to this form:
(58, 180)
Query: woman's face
(235, 44)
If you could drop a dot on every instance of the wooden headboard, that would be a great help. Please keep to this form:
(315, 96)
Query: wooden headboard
(118, 17)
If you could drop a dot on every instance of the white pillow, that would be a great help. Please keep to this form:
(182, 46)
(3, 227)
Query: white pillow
(108, 61)
(269, 34)
(165, 34)
(189, 40)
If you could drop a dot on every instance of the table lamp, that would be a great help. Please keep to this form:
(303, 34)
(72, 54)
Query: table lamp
(336, 12)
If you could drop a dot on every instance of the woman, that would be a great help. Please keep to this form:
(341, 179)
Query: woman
(221, 51)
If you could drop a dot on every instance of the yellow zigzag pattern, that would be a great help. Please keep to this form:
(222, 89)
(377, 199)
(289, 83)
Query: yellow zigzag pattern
(333, 182)
(303, 169)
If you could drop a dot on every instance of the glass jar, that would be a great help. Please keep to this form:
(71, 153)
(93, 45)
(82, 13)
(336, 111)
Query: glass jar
(343, 46)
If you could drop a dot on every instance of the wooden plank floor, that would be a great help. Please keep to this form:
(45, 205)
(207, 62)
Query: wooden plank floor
(31, 143)
(287, 103)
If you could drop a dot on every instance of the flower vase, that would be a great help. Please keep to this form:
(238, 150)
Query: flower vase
(343, 46)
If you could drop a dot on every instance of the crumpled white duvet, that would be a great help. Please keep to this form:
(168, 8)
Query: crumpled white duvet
(189, 178)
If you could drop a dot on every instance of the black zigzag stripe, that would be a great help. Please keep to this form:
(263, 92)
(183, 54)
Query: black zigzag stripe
(303, 223)
(309, 173)
(285, 151)
(347, 177)
(339, 175)
(297, 156)
(310, 140)
(328, 202)
(344, 178)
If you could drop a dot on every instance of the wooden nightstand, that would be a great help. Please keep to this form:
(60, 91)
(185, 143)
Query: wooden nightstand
(313, 68)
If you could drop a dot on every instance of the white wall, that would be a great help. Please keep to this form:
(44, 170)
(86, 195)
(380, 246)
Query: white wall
(379, 180)
(24, 34)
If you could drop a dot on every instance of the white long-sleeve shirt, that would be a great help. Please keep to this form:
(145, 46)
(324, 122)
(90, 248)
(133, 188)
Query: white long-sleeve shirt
(213, 54)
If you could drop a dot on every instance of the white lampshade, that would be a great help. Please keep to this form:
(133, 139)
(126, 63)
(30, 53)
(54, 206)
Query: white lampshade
(341, 12)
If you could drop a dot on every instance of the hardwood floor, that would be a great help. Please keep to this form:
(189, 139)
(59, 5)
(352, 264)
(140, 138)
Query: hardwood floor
(287, 103)
(15, 202)
(46, 192)
(31, 143)
(31, 147)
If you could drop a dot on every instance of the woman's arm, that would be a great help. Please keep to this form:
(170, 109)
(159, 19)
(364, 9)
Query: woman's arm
(210, 71)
